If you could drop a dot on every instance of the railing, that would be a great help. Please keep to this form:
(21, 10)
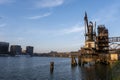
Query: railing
(114, 39)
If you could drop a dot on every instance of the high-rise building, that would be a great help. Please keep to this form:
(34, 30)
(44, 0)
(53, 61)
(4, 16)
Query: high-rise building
(29, 50)
(15, 49)
(4, 47)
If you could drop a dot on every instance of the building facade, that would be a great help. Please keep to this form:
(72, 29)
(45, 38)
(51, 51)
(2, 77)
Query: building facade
(15, 49)
(29, 50)
(4, 47)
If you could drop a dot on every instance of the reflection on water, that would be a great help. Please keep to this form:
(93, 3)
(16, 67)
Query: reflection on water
(94, 72)
(38, 68)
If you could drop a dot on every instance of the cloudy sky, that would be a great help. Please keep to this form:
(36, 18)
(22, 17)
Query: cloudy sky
(56, 25)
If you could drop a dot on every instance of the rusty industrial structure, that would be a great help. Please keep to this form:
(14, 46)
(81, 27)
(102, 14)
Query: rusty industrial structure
(96, 48)
(95, 42)
(102, 41)
(90, 37)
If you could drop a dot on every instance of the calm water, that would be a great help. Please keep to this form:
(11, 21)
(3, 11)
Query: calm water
(37, 68)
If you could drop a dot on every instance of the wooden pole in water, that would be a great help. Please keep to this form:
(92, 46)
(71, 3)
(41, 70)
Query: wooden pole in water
(79, 60)
(51, 67)
(73, 61)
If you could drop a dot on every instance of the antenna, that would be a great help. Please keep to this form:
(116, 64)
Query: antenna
(95, 30)
(86, 23)
(95, 27)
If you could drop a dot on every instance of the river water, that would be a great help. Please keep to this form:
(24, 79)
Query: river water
(38, 68)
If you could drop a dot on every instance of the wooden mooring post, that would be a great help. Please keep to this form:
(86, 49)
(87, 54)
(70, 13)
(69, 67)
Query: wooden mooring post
(51, 67)
(73, 61)
(79, 60)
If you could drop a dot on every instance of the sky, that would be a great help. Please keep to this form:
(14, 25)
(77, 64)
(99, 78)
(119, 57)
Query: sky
(54, 25)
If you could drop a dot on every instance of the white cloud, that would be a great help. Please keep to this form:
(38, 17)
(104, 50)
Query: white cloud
(6, 1)
(48, 3)
(39, 16)
(58, 32)
(2, 25)
(75, 29)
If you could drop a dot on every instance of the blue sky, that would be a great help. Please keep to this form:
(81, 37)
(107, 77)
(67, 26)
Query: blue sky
(56, 25)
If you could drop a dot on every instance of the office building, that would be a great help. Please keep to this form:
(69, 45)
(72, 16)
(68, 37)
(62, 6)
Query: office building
(29, 50)
(4, 47)
(15, 49)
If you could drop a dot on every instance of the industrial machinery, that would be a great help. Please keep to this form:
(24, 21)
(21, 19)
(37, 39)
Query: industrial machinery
(95, 43)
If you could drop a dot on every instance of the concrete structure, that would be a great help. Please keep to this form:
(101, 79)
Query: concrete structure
(113, 56)
(4, 47)
(15, 50)
(29, 50)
